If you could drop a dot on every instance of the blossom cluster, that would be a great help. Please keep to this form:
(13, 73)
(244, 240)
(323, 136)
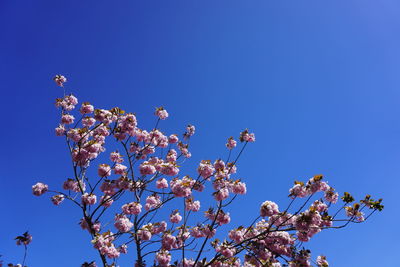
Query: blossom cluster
(145, 173)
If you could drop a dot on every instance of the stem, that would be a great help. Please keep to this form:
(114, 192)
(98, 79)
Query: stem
(25, 252)
(137, 241)
(211, 227)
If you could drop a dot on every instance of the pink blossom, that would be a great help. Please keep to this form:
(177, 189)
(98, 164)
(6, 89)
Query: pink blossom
(190, 129)
(123, 249)
(134, 148)
(71, 184)
(120, 169)
(158, 139)
(132, 208)
(175, 217)
(104, 116)
(173, 138)
(245, 136)
(183, 148)
(104, 170)
(182, 187)
(223, 218)
(205, 169)
(116, 157)
(319, 206)
(208, 231)
(192, 205)
(169, 169)
(221, 194)
(71, 99)
(110, 251)
(285, 219)
(68, 102)
(67, 119)
(57, 199)
(94, 147)
(122, 223)
(171, 155)
(308, 224)
(124, 183)
(108, 187)
(86, 108)
(161, 113)
(268, 208)
(298, 190)
(163, 257)
(231, 143)
(331, 196)
(60, 130)
(102, 242)
(225, 250)
(317, 186)
(237, 234)
(74, 135)
(220, 183)
(147, 169)
(251, 138)
(60, 80)
(219, 165)
(159, 227)
(89, 199)
(239, 188)
(88, 121)
(101, 131)
(144, 234)
(39, 189)
(156, 162)
(196, 232)
(127, 124)
(142, 135)
(152, 202)
(169, 241)
(82, 157)
(183, 235)
(96, 227)
(162, 183)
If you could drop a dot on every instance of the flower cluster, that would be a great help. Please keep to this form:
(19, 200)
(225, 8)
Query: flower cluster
(145, 173)
(24, 239)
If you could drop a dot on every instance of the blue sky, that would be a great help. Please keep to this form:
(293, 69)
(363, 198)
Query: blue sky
(317, 81)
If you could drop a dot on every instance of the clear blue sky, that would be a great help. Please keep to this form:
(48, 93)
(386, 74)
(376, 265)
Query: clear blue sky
(317, 81)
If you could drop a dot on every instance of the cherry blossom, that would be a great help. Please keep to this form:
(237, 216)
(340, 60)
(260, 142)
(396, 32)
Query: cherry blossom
(143, 178)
